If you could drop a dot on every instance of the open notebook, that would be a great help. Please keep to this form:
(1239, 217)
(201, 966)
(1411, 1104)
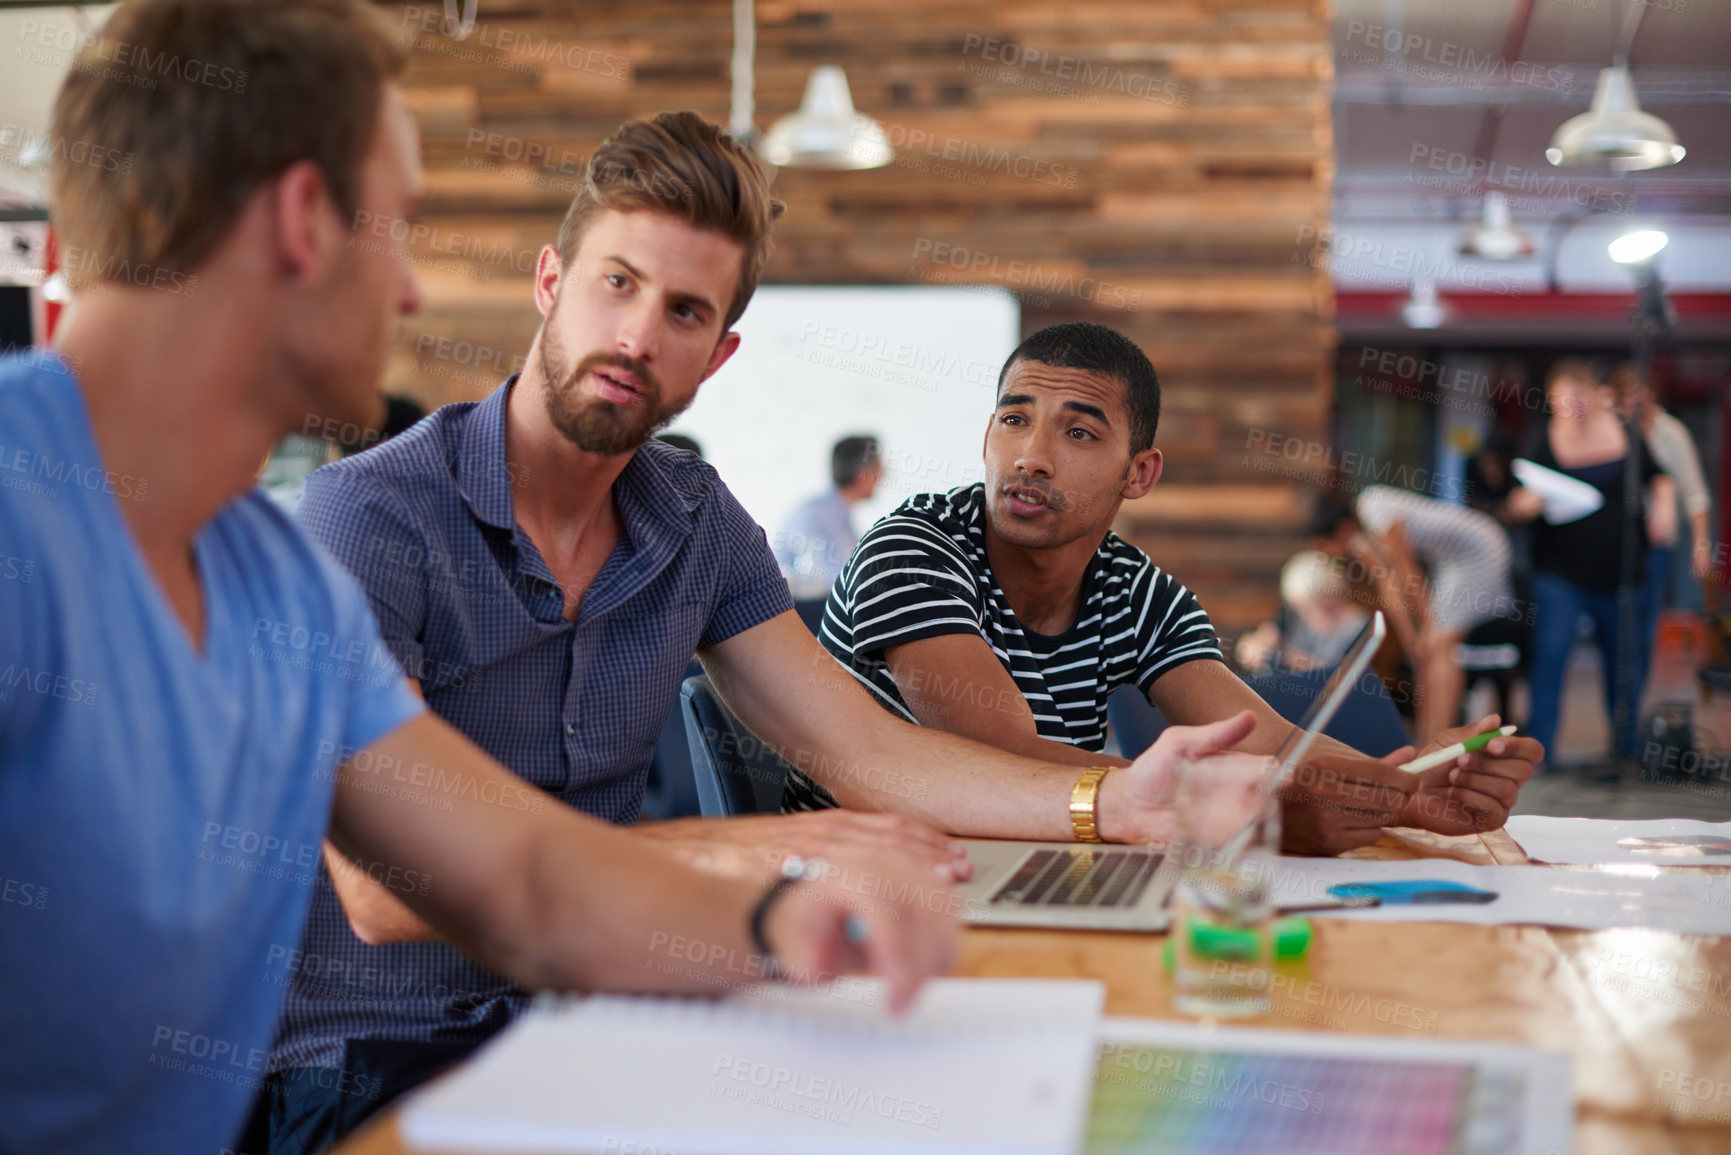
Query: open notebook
(979, 1065)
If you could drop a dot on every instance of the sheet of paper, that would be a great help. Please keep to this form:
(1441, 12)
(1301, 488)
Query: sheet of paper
(1595, 841)
(978, 1066)
(1566, 498)
(1188, 1089)
(1636, 895)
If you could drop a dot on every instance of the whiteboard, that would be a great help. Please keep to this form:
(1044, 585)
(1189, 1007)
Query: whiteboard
(917, 367)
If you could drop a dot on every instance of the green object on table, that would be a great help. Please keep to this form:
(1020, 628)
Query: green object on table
(1291, 940)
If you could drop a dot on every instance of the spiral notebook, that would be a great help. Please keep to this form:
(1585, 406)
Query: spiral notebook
(979, 1065)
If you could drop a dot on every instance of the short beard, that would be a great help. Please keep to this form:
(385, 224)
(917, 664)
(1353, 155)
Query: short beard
(596, 425)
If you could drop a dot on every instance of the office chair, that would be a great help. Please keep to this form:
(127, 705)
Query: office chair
(735, 772)
(1367, 721)
(670, 790)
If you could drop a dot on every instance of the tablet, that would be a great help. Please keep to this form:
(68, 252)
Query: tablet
(1322, 711)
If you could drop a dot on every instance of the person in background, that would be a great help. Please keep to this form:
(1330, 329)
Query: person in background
(1439, 569)
(1673, 451)
(400, 414)
(1578, 564)
(284, 474)
(1318, 618)
(680, 441)
(819, 535)
(1490, 475)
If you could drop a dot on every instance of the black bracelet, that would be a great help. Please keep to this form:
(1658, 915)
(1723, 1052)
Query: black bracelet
(793, 869)
(761, 911)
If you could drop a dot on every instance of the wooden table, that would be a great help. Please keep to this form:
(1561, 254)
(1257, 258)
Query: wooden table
(1646, 1014)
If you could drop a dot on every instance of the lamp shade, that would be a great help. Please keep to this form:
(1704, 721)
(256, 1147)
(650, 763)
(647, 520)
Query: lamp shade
(1615, 131)
(1497, 238)
(1422, 310)
(826, 132)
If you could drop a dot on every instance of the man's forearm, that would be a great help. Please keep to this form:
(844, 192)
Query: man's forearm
(955, 784)
(645, 900)
(546, 895)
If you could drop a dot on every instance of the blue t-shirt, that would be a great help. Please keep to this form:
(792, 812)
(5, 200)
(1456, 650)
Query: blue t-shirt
(160, 810)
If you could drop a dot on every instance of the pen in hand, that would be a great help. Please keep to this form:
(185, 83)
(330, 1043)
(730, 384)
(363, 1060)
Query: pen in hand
(1450, 753)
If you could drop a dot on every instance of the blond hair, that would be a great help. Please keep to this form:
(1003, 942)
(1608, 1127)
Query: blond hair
(208, 99)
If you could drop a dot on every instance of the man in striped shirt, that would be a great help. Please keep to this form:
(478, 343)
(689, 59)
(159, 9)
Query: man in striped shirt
(1007, 611)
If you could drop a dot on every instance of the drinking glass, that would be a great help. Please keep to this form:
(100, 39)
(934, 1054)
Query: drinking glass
(1225, 847)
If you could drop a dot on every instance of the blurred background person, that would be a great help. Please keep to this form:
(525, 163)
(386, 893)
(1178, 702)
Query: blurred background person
(1439, 569)
(400, 413)
(818, 537)
(1673, 451)
(680, 441)
(1318, 618)
(1490, 475)
(1577, 564)
(284, 473)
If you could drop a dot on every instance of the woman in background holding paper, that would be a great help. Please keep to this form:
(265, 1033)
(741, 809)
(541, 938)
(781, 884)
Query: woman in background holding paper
(1571, 493)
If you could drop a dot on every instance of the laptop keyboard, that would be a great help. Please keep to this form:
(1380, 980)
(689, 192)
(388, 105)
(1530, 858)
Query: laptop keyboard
(1078, 876)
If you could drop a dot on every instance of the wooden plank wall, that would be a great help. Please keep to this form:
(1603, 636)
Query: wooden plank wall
(1155, 165)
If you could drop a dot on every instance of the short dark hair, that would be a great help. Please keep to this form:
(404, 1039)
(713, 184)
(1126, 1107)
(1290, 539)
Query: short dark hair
(680, 441)
(850, 456)
(400, 414)
(1097, 349)
(1330, 511)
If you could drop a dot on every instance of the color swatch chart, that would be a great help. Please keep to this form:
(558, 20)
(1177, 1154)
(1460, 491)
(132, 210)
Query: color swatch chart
(1176, 1101)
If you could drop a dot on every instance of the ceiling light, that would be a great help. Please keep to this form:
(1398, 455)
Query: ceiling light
(1615, 131)
(826, 132)
(1422, 310)
(1634, 247)
(1496, 239)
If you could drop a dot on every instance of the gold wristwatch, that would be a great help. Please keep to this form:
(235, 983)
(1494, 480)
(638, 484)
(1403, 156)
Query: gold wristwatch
(1084, 800)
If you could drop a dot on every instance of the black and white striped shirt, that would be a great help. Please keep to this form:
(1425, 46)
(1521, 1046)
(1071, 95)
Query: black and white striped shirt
(1466, 552)
(922, 572)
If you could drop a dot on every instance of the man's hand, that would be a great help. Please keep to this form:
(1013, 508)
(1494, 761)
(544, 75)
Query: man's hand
(1135, 804)
(1473, 793)
(1338, 801)
(904, 924)
(754, 846)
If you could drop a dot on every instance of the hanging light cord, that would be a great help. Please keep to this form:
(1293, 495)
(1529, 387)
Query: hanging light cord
(744, 60)
(460, 29)
(1630, 24)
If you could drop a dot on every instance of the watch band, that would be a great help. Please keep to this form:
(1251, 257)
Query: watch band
(1084, 804)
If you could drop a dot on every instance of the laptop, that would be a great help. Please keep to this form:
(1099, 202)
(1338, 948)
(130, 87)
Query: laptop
(1077, 885)
(1095, 886)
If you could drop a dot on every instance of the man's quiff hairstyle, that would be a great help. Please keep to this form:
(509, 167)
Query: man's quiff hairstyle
(681, 164)
(209, 99)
